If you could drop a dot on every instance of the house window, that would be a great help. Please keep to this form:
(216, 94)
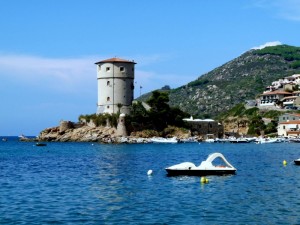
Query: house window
(108, 99)
(107, 69)
(107, 107)
(122, 69)
(108, 83)
(283, 127)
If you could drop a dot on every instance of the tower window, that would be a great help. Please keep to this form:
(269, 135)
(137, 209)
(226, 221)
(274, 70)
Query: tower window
(99, 68)
(108, 99)
(122, 69)
(107, 69)
(108, 83)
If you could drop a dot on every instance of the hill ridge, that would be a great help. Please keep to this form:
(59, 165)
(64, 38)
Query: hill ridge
(240, 79)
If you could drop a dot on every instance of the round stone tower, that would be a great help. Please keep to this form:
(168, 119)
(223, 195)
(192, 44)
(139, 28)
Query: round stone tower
(115, 85)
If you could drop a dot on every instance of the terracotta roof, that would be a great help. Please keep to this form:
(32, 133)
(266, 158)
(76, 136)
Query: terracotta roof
(289, 97)
(293, 132)
(291, 122)
(112, 60)
(276, 93)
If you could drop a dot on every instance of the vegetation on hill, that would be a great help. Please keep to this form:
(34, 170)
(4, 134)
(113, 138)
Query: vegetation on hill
(145, 97)
(289, 53)
(254, 118)
(240, 79)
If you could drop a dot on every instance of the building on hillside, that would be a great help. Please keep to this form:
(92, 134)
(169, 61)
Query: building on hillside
(295, 79)
(206, 127)
(276, 85)
(272, 98)
(289, 87)
(297, 99)
(289, 128)
(285, 83)
(288, 101)
(115, 85)
(296, 93)
(288, 117)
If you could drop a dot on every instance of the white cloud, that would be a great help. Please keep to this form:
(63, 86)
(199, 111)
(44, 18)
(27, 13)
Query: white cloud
(73, 74)
(268, 44)
(62, 74)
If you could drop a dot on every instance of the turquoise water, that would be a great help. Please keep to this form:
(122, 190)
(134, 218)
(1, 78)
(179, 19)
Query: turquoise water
(84, 183)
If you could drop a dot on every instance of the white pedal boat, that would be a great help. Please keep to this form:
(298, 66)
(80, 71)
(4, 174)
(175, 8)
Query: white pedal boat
(297, 161)
(206, 167)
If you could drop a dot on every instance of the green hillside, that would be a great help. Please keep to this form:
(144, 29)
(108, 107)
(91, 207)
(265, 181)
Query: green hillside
(241, 79)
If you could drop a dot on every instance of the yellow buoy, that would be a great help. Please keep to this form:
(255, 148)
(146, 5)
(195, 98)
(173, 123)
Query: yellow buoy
(284, 162)
(204, 180)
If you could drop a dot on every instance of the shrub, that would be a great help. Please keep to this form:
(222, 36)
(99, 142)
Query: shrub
(295, 65)
(101, 119)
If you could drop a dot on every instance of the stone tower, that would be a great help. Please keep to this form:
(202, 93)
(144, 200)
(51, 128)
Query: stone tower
(121, 128)
(115, 85)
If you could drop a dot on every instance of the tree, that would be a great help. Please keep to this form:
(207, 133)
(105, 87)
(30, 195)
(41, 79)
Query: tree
(166, 87)
(159, 101)
(256, 125)
(158, 117)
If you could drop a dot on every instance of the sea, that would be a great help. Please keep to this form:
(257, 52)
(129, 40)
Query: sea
(92, 183)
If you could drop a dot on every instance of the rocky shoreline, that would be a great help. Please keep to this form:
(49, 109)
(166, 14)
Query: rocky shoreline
(101, 134)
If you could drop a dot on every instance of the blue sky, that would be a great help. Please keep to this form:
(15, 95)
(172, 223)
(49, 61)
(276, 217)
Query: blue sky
(48, 48)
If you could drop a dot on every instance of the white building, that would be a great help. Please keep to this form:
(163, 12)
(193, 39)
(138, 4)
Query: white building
(207, 127)
(272, 98)
(289, 128)
(115, 85)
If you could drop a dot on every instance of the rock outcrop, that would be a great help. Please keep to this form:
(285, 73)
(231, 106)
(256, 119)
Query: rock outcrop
(103, 134)
(80, 134)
